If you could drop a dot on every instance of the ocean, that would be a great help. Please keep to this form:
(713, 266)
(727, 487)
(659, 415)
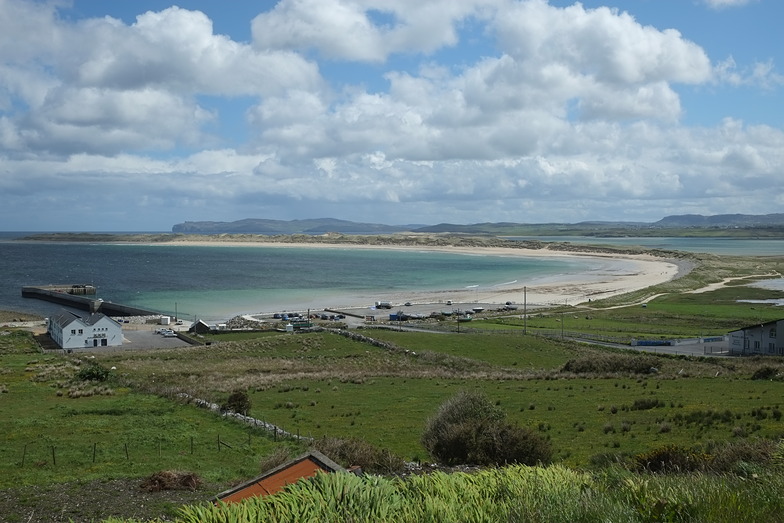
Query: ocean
(218, 282)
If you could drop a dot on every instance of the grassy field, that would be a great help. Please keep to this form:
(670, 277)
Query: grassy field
(594, 405)
(54, 432)
(324, 384)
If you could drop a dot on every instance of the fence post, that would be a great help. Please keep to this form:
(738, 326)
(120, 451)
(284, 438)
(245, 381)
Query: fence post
(94, 446)
(54, 461)
(126, 451)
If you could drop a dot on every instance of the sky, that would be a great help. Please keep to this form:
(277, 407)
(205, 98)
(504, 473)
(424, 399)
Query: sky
(136, 116)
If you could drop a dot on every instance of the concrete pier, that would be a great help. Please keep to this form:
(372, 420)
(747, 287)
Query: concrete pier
(80, 297)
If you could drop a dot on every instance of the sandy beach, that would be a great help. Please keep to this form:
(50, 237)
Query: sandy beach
(622, 274)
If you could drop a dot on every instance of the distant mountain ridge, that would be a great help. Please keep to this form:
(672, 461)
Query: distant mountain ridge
(598, 228)
(721, 220)
(272, 227)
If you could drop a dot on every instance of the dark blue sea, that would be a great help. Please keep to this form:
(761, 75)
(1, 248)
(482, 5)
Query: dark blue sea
(218, 282)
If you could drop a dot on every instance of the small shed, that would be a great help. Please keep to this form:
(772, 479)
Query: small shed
(304, 466)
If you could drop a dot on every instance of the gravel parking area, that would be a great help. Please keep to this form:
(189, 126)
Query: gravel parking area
(148, 339)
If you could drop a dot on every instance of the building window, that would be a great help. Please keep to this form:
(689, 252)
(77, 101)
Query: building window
(756, 344)
(73, 331)
(81, 331)
(773, 332)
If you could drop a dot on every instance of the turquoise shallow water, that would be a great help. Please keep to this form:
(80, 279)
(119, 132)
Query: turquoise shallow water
(218, 281)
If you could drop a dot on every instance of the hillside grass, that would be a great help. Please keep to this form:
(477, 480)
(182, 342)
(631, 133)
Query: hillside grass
(57, 429)
(325, 384)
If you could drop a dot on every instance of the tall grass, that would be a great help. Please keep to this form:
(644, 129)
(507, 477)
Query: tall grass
(514, 494)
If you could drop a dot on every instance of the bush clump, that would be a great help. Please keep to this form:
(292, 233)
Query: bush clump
(356, 452)
(469, 429)
(646, 404)
(611, 364)
(93, 372)
(171, 480)
(738, 456)
(672, 459)
(766, 373)
(238, 402)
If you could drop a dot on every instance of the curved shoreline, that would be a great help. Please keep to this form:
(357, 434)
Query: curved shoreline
(627, 269)
(643, 270)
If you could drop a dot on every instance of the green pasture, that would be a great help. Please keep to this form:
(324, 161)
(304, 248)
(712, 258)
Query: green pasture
(500, 348)
(582, 418)
(51, 438)
(322, 384)
(712, 313)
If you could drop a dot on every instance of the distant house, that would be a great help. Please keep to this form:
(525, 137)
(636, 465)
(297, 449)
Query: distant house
(70, 331)
(762, 338)
(305, 466)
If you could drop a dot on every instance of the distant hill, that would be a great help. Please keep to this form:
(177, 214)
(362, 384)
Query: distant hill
(721, 220)
(738, 225)
(272, 227)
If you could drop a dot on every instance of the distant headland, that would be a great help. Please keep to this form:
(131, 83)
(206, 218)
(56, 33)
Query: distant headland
(688, 225)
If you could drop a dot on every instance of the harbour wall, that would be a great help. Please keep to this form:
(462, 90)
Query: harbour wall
(63, 295)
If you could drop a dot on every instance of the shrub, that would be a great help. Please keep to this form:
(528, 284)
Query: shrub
(505, 443)
(611, 363)
(731, 457)
(278, 457)
(93, 372)
(671, 458)
(171, 480)
(766, 373)
(646, 404)
(356, 452)
(238, 402)
(469, 428)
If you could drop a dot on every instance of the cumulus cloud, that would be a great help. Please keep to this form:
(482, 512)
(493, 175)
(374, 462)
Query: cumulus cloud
(363, 30)
(102, 85)
(562, 105)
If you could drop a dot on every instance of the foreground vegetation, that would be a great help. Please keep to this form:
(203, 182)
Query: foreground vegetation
(634, 437)
(515, 494)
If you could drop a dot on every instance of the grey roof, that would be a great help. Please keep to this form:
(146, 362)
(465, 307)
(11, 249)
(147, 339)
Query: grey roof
(63, 318)
(95, 318)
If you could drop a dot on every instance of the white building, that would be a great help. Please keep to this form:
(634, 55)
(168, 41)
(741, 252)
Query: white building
(763, 338)
(70, 331)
